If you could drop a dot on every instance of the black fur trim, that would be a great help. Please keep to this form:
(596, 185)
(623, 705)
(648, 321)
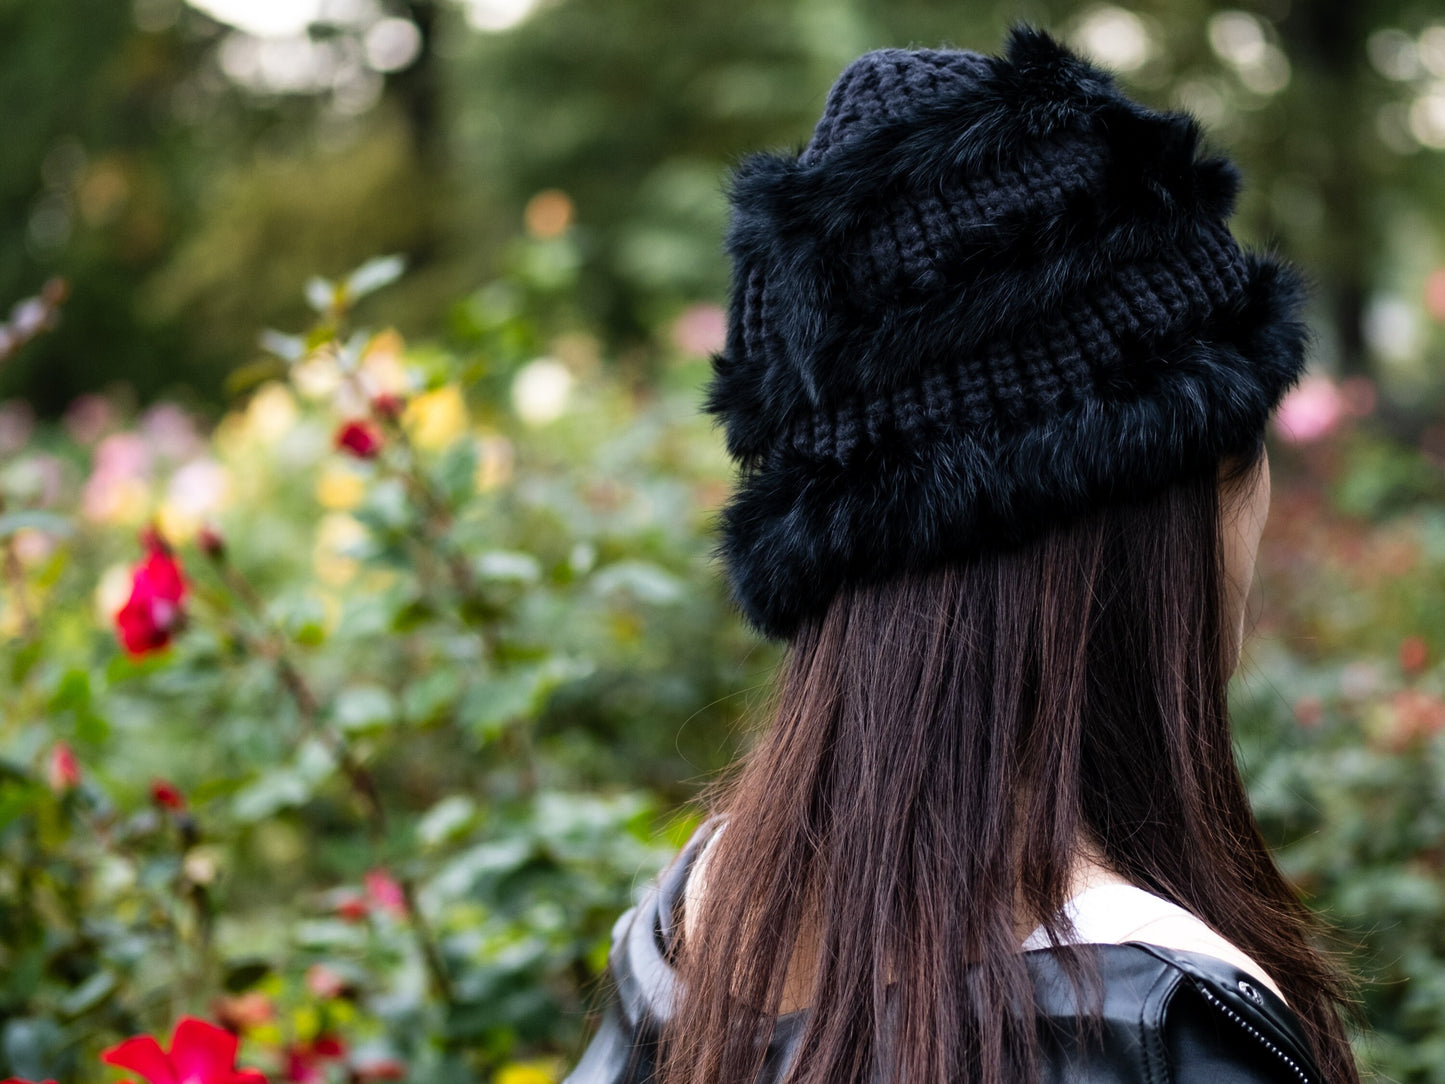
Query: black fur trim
(799, 527)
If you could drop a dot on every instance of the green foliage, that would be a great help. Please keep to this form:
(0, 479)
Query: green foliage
(1340, 709)
(424, 730)
(443, 691)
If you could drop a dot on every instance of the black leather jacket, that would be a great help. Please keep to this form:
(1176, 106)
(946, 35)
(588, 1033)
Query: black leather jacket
(1169, 1016)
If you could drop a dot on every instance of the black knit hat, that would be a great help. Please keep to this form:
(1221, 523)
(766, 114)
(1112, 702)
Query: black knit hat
(989, 294)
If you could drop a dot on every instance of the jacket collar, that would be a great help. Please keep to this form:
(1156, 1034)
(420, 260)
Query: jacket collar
(1139, 980)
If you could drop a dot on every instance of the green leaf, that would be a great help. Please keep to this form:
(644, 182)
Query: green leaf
(91, 728)
(364, 707)
(446, 820)
(488, 708)
(88, 994)
(412, 614)
(17, 802)
(302, 616)
(642, 580)
(283, 788)
(31, 1045)
(375, 273)
(23, 658)
(320, 294)
(33, 518)
(328, 934)
(387, 508)
(508, 566)
(72, 691)
(276, 790)
(492, 858)
(286, 347)
(430, 696)
(456, 473)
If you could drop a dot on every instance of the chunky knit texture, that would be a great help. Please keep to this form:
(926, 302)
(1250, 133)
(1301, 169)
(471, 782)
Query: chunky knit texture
(990, 293)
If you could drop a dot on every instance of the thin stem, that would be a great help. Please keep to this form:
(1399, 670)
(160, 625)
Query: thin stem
(437, 516)
(426, 939)
(437, 519)
(527, 775)
(363, 784)
(308, 704)
(355, 772)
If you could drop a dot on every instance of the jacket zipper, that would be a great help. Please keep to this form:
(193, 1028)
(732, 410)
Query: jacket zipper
(1247, 1026)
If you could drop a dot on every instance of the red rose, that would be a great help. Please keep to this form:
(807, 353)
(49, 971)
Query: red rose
(200, 1053)
(153, 612)
(359, 438)
(388, 405)
(63, 770)
(167, 795)
(305, 1061)
(353, 907)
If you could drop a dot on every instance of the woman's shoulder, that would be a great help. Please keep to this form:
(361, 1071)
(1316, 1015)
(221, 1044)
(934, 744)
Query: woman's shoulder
(694, 880)
(1110, 910)
(1187, 1006)
(1190, 934)
(1164, 1012)
(647, 936)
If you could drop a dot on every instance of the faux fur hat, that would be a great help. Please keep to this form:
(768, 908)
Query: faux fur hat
(990, 293)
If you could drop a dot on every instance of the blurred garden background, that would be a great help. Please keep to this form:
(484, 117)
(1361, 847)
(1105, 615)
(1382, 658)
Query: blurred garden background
(362, 644)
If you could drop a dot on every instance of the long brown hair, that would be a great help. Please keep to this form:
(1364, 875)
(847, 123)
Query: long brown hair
(940, 744)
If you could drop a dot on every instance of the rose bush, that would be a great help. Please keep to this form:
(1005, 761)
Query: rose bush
(354, 747)
(338, 732)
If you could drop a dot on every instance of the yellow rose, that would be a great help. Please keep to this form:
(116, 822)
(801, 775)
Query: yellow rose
(437, 418)
(527, 1072)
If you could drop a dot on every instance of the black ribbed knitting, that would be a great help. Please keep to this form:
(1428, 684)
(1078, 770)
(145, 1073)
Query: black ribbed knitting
(989, 293)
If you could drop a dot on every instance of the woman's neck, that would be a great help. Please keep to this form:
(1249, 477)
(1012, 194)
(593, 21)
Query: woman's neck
(1088, 870)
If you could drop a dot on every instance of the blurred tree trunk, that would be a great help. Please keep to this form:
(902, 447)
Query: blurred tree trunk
(1328, 36)
(417, 91)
